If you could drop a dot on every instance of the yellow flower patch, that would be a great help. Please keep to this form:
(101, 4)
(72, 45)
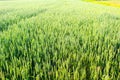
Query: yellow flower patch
(109, 3)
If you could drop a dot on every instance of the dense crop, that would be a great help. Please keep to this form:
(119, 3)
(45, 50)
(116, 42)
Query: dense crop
(59, 40)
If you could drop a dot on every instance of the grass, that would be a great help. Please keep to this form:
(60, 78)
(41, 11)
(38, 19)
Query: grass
(59, 40)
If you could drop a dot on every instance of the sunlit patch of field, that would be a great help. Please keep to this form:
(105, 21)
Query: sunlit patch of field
(114, 3)
(109, 3)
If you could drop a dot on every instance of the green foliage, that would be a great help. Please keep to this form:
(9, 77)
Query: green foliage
(59, 40)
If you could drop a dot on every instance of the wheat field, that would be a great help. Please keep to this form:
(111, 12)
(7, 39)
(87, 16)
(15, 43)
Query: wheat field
(59, 40)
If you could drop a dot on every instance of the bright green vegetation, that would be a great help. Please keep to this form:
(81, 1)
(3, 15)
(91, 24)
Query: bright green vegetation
(59, 40)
